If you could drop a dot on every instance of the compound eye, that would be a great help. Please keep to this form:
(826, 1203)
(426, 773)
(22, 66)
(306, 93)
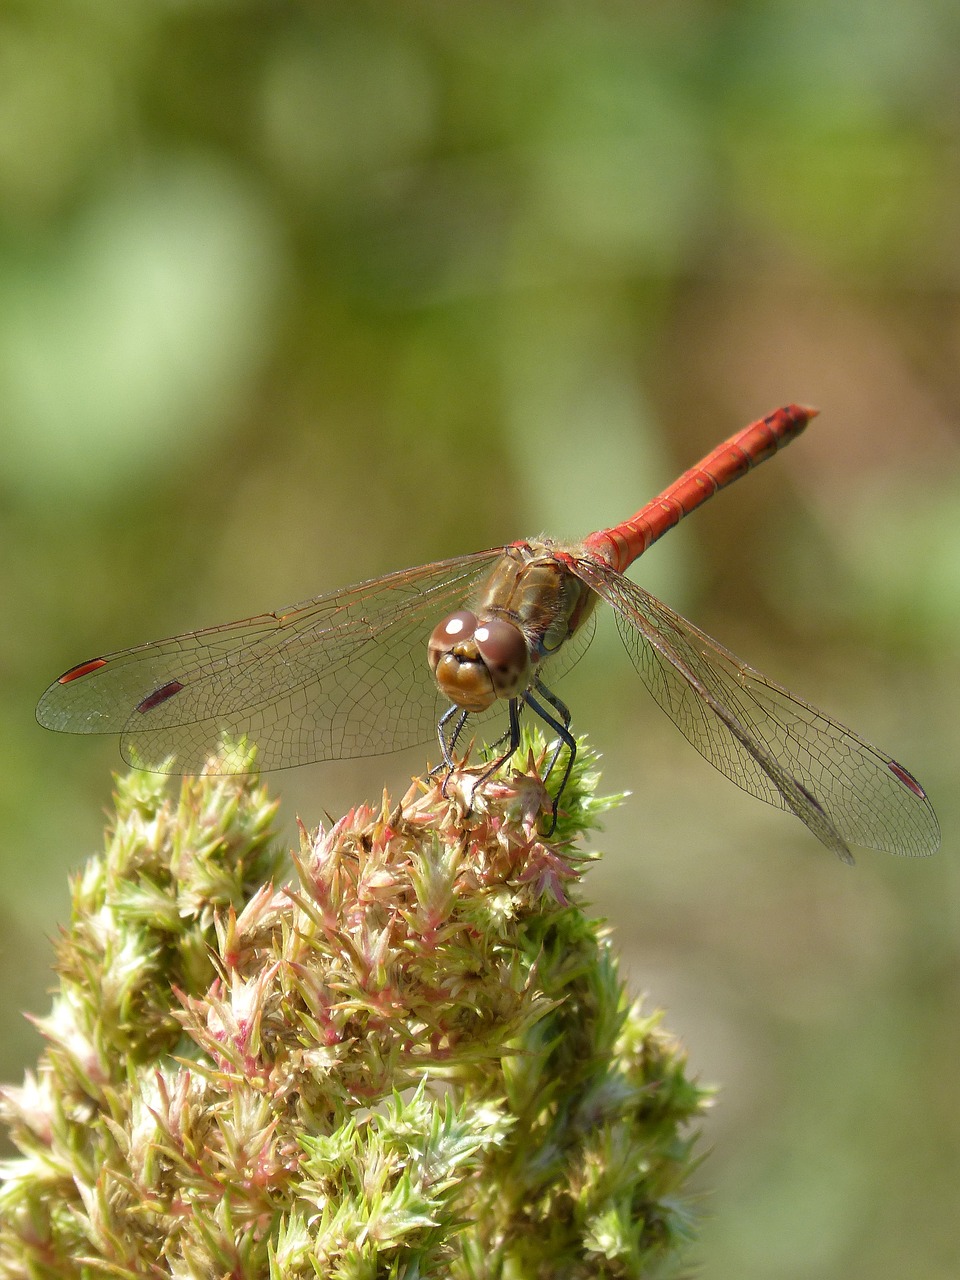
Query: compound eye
(503, 648)
(454, 630)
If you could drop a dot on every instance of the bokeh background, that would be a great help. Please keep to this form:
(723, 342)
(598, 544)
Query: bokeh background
(292, 296)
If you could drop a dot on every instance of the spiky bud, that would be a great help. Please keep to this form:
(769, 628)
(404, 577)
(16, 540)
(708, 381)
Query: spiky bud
(417, 1061)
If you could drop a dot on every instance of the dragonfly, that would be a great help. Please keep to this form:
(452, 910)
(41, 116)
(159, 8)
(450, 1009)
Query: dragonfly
(423, 652)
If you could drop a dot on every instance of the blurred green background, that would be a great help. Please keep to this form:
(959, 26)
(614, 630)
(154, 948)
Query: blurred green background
(293, 296)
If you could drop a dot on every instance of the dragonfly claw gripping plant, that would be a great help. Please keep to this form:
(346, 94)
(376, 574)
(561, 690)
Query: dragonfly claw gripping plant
(418, 1060)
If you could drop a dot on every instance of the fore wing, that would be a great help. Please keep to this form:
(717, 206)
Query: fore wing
(342, 675)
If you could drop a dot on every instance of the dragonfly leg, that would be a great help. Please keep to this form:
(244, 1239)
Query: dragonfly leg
(448, 736)
(448, 743)
(453, 720)
(511, 738)
(448, 740)
(560, 724)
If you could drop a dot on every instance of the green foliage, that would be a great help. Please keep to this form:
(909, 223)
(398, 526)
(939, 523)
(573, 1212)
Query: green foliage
(420, 1061)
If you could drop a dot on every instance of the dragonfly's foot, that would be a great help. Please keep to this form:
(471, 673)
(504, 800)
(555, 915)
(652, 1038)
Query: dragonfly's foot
(468, 786)
(459, 783)
(531, 802)
(551, 826)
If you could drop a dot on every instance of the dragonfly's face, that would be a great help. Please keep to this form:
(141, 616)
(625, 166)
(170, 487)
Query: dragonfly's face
(477, 662)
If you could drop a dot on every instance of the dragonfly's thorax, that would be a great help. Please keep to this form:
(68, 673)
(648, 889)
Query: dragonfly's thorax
(528, 606)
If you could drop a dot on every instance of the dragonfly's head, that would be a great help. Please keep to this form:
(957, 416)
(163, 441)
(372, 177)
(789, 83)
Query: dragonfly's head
(477, 662)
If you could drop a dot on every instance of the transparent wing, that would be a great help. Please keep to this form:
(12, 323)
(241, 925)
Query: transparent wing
(343, 675)
(768, 741)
